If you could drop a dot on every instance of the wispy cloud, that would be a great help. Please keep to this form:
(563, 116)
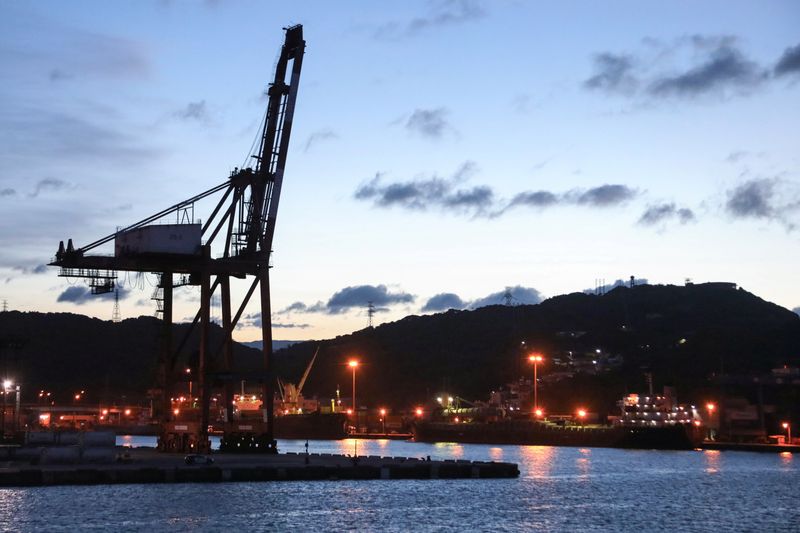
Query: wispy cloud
(603, 196)
(430, 123)
(7, 192)
(789, 62)
(81, 294)
(613, 74)
(662, 213)
(725, 69)
(319, 136)
(197, 111)
(427, 193)
(49, 184)
(440, 13)
(768, 199)
(691, 67)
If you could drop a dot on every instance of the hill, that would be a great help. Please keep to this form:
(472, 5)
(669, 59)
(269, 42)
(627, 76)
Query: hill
(64, 353)
(596, 348)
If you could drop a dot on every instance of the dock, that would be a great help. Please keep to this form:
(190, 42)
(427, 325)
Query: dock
(148, 466)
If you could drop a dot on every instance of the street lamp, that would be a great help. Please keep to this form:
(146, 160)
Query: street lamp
(710, 407)
(383, 420)
(788, 427)
(353, 364)
(581, 415)
(535, 359)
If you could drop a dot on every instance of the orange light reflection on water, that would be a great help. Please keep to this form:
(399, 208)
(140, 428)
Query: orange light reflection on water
(786, 459)
(539, 460)
(712, 458)
(496, 453)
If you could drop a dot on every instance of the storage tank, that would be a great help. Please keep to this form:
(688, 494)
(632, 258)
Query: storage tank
(182, 239)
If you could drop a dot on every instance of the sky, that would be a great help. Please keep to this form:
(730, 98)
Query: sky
(443, 152)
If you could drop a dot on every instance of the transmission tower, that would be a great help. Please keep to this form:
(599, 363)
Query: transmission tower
(370, 313)
(5, 306)
(508, 298)
(116, 316)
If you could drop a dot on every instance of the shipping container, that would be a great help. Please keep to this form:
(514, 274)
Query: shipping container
(183, 239)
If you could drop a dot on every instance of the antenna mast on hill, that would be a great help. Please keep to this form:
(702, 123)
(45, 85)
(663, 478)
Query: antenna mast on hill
(370, 313)
(508, 298)
(116, 316)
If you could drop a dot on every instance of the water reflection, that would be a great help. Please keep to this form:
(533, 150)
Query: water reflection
(584, 463)
(496, 453)
(538, 459)
(786, 459)
(451, 449)
(712, 459)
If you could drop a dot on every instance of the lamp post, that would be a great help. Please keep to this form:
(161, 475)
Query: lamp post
(353, 364)
(383, 420)
(581, 415)
(710, 407)
(788, 427)
(535, 359)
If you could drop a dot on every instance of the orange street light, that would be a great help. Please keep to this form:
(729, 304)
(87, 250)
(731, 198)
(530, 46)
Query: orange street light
(354, 364)
(419, 411)
(581, 415)
(535, 359)
(538, 413)
(383, 420)
(788, 427)
(710, 406)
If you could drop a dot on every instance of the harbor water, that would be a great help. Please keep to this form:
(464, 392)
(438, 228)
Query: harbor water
(559, 489)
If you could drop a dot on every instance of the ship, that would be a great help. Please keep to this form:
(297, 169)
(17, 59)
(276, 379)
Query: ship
(296, 417)
(645, 422)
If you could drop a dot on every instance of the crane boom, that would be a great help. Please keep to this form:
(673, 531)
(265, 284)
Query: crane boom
(305, 374)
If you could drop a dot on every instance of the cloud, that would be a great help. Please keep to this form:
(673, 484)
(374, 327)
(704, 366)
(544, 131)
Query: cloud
(539, 199)
(193, 111)
(690, 67)
(441, 13)
(602, 289)
(789, 62)
(519, 295)
(49, 184)
(752, 199)
(433, 192)
(290, 326)
(431, 123)
(7, 192)
(726, 67)
(359, 295)
(443, 302)
(603, 196)
(253, 320)
(661, 213)
(29, 132)
(319, 136)
(81, 294)
(612, 74)
(38, 269)
(770, 199)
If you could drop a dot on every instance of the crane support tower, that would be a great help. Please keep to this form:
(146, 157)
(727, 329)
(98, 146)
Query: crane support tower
(241, 228)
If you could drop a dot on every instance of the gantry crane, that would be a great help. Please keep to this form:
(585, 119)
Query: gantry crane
(243, 224)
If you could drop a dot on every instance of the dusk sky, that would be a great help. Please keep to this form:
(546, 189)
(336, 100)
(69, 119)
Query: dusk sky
(441, 152)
